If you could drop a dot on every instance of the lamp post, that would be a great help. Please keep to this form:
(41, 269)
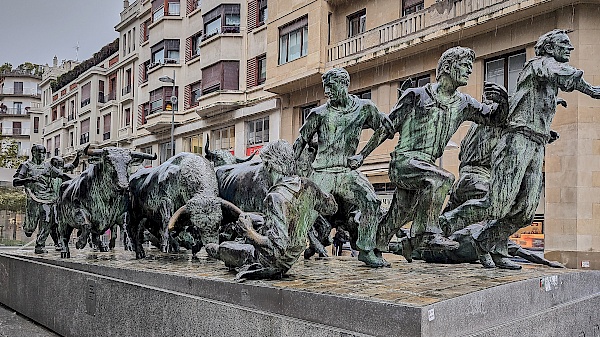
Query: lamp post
(168, 79)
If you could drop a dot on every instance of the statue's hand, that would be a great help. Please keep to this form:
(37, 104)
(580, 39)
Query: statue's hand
(495, 93)
(355, 161)
(553, 136)
(244, 223)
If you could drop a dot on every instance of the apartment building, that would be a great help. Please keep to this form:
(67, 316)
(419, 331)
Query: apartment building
(19, 105)
(210, 55)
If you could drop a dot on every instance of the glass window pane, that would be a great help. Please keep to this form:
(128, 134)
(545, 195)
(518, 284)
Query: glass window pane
(515, 65)
(294, 45)
(213, 27)
(283, 49)
(494, 71)
(305, 41)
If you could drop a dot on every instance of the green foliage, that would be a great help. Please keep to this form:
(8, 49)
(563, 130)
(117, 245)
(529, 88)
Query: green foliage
(12, 199)
(35, 69)
(6, 67)
(98, 57)
(9, 154)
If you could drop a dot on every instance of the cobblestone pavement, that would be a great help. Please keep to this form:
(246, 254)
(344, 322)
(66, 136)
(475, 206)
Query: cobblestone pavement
(414, 284)
(15, 325)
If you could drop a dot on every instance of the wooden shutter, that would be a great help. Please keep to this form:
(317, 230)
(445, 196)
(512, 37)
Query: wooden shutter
(231, 75)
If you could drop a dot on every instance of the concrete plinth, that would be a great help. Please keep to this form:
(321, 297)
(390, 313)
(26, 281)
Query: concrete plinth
(112, 294)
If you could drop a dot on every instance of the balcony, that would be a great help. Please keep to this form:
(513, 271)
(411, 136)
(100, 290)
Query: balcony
(55, 125)
(15, 132)
(13, 111)
(440, 19)
(31, 92)
(219, 102)
(159, 122)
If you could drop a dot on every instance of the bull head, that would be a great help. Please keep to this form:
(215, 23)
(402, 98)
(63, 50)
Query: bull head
(118, 161)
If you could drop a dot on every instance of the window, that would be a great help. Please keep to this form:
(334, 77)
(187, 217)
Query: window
(63, 110)
(258, 132)
(98, 125)
(193, 144)
(293, 40)
(56, 144)
(261, 69)
(54, 113)
(196, 39)
(159, 99)
(17, 128)
(127, 85)
(148, 150)
(417, 82)
(357, 23)
(165, 152)
(126, 117)
(223, 139)
(411, 6)
(71, 111)
(366, 94)
(85, 132)
(106, 134)
(263, 12)
(305, 111)
(85, 94)
(18, 88)
(195, 93)
(222, 75)
(505, 70)
(166, 51)
(143, 70)
(222, 19)
(36, 124)
(161, 8)
(101, 97)
(124, 44)
(192, 5)
(71, 139)
(145, 31)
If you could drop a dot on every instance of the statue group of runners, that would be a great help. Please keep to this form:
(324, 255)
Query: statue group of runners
(502, 156)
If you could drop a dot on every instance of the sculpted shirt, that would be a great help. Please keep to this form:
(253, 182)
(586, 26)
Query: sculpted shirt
(477, 146)
(41, 190)
(533, 106)
(339, 130)
(426, 124)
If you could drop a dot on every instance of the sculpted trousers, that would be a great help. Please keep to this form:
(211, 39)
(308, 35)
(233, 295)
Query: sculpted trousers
(353, 191)
(421, 188)
(515, 191)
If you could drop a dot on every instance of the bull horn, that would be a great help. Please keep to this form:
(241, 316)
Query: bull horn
(142, 155)
(207, 153)
(176, 216)
(226, 205)
(238, 160)
(94, 152)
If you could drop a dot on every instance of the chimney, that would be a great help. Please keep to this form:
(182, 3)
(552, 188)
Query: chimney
(55, 61)
(125, 4)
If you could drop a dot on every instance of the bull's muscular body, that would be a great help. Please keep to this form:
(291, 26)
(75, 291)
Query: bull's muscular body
(185, 180)
(97, 199)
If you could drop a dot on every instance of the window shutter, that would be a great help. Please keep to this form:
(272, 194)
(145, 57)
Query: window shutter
(231, 75)
(252, 14)
(251, 73)
(187, 93)
(188, 49)
(106, 123)
(211, 76)
(301, 22)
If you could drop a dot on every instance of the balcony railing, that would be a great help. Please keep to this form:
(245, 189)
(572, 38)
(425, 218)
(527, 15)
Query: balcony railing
(13, 111)
(19, 92)
(454, 12)
(221, 30)
(15, 131)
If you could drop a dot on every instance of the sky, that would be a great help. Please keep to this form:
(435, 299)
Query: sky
(36, 30)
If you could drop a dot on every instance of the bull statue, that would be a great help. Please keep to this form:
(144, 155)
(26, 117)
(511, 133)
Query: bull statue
(223, 157)
(178, 197)
(97, 199)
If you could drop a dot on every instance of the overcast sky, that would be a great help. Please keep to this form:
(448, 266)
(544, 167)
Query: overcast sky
(36, 30)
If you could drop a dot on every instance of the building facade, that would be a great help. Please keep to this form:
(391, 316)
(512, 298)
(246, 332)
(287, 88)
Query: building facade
(19, 105)
(248, 71)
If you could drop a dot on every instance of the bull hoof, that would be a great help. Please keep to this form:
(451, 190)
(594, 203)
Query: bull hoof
(28, 234)
(103, 248)
(80, 244)
(65, 255)
(140, 255)
(39, 250)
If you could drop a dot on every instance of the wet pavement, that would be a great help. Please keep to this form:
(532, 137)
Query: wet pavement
(414, 284)
(14, 325)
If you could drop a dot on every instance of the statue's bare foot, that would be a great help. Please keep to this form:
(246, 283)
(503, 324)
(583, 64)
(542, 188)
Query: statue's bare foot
(505, 263)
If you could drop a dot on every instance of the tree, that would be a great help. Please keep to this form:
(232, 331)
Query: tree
(6, 67)
(35, 69)
(9, 154)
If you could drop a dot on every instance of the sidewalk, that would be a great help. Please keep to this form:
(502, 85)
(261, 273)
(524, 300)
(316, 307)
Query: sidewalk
(15, 325)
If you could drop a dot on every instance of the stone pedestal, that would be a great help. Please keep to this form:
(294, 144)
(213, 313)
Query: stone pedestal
(107, 294)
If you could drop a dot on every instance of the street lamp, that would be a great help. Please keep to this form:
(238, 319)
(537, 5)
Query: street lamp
(168, 79)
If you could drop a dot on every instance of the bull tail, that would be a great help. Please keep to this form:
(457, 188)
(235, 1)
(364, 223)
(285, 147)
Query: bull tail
(230, 207)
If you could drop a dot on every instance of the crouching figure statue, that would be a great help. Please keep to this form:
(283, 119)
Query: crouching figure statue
(290, 208)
